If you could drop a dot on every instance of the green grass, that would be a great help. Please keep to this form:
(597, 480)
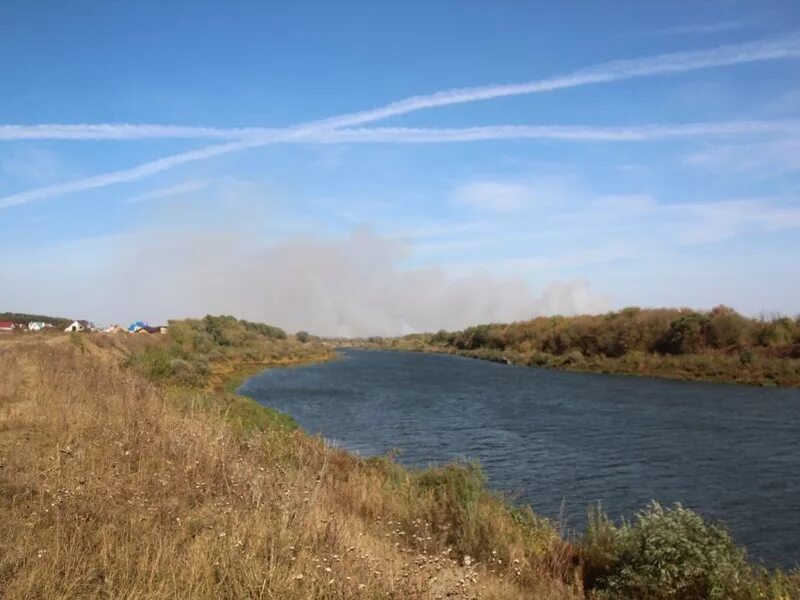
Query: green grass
(196, 349)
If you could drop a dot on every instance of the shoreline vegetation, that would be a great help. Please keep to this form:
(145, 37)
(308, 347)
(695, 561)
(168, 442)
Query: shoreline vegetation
(717, 346)
(129, 469)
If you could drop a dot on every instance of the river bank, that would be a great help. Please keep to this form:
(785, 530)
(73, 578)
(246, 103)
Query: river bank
(561, 441)
(138, 479)
(711, 369)
(132, 485)
(717, 346)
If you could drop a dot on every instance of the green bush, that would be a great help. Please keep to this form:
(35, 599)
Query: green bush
(540, 359)
(777, 332)
(456, 490)
(183, 372)
(747, 356)
(155, 363)
(201, 364)
(474, 337)
(216, 355)
(76, 340)
(574, 357)
(726, 328)
(686, 335)
(666, 554)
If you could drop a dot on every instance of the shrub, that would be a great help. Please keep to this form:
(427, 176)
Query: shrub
(268, 331)
(540, 359)
(778, 332)
(666, 554)
(747, 356)
(574, 358)
(456, 490)
(154, 363)
(599, 548)
(475, 337)
(216, 355)
(182, 371)
(201, 364)
(76, 340)
(686, 335)
(726, 327)
(303, 336)
(442, 337)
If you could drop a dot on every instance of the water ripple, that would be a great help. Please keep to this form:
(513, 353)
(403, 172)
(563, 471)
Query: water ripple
(729, 452)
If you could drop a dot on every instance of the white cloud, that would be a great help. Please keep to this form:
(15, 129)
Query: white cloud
(32, 165)
(495, 196)
(551, 193)
(762, 159)
(577, 229)
(715, 221)
(178, 189)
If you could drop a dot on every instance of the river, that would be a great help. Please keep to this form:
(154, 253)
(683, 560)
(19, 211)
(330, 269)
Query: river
(554, 438)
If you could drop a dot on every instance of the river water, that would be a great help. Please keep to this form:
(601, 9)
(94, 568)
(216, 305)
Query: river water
(556, 439)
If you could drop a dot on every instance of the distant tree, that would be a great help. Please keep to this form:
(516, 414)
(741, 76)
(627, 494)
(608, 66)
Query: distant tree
(778, 332)
(726, 327)
(686, 335)
(303, 336)
(442, 337)
(476, 337)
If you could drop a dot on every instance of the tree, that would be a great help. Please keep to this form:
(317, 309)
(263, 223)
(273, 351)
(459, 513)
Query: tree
(726, 327)
(686, 335)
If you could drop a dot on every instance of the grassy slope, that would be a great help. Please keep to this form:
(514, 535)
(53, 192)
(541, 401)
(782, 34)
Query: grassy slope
(118, 483)
(114, 486)
(678, 344)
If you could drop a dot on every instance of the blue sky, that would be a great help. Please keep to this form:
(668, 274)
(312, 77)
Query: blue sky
(650, 156)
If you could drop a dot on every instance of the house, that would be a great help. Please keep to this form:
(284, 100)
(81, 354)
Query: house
(114, 329)
(76, 326)
(136, 326)
(81, 325)
(36, 325)
(148, 329)
(6, 326)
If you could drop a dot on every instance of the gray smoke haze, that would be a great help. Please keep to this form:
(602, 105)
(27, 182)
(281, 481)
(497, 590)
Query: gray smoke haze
(355, 286)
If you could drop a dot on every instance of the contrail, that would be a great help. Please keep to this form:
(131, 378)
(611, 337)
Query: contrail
(642, 133)
(788, 47)
(618, 70)
(126, 131)
(407, 135)
(133, 174)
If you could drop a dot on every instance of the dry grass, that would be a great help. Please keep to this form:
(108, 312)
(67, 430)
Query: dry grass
(110, 488)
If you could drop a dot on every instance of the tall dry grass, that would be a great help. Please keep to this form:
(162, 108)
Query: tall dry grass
(112, 487)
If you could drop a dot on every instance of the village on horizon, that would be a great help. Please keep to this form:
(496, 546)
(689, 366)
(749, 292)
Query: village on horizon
(81, 325)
